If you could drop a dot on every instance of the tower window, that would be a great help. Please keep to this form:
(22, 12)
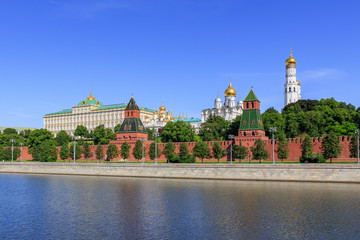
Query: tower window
(247, 105)
(252, 105)
(294, 89)
(289, 89)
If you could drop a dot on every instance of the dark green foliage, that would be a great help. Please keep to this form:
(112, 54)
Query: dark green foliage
(150, 133)
(112, 152)
(45, 152)
(217, 151)
(99, 152)
(137, 151)
(214, 129)
(62, 138)
(271, 110)
(173, 158)
(9, 131)
(307, 150)
(330, 146)
(117, 128)
(234, 126)
(258, 150)
(178, 131)
(37, 137)
(64, 151)
(316, 158)
(86, 150)
(183, 152)
(283, 148)
(78, 151)
(201, 150)
(353, 147)
(125, 150)
(152, 151)
(81, 131)
(168, 150)
(239, 152)
(6, 153)
(102, 135)
(272, 118)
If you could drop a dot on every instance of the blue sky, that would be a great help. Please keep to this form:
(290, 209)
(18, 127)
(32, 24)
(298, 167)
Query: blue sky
(180, 53)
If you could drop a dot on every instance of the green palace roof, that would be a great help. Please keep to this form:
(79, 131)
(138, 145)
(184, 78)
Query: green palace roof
(90, 102)
(251, 96)
(189, 120)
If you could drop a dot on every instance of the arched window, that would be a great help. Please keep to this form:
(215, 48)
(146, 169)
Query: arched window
(289, 89)
(252, 104)
(253, 133)
(294, 89)
(247, 105)
(244, 133)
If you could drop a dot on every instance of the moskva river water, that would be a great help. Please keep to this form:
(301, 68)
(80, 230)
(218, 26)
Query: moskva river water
(75, 207)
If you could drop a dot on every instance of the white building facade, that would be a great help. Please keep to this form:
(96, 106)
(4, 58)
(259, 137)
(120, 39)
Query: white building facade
(229, 111)
(292, 87)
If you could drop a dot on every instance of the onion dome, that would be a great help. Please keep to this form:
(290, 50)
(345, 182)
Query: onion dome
(162, 108)
(298, 83)
(290, 60)
(91, 97)
(230, 92)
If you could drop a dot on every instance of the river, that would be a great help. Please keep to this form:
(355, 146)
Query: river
(78, 207)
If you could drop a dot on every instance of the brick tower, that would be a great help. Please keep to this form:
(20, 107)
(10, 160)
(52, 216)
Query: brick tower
(132, 129)
(251, 125)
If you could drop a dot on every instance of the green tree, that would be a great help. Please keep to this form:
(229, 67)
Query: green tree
(9, 131)
(46, 152)
(99, 135)
(117, 128)
(152, 151)
(283, 148)
(214, 129)
(150, 133)
(258, 150)
(183, 152)
(64, 151)
(307, 150)
(81, 131)
(78, 151)
(353, 147)
(178, 131)
(201, 150)
(234, 126)
(330, 146)
(99, 152)
(240, 152)
(112, 152)
(37, 137)
(125, 150)
(86, 150)
(217, 151)
(7, 152)
(169, 150)
(137, 151)
(62, 138)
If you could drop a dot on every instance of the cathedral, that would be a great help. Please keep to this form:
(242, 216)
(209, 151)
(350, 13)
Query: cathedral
(292, 88)
(229, 110)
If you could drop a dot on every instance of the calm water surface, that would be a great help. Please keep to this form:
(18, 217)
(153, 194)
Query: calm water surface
(71, 207)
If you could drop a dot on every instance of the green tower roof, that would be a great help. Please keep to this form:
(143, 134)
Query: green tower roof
(251, 120)
(251, 96)
(132, 125)
(132, 105)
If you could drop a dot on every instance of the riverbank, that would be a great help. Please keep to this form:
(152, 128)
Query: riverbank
(347, 173)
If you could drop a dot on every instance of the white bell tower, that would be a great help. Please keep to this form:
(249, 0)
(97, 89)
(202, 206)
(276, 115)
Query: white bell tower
(292, 88)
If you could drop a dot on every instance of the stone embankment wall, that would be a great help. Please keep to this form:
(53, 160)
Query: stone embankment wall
(294, 149)
(266, 172)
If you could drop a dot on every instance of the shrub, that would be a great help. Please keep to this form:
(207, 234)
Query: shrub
(174, 158)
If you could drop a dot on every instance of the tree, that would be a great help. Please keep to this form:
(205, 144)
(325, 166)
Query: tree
(178, 131)
(112, 152)
(99, 152)
(125, 150)
(214, 129)
(62, 138)
(183, 152)
(46, 152)
(353, 147)
(78, 151)
(152, 151)
(217, 151)
(9, 131)
(101, 135)
(81, 131)
(307, 150)
(234, 126)
(283, 148)
(137, 151)
(64, 151)
(258, 150)
(168, 150)
(240, 152)
(86, 150)
(117, 128)
(201, 150)
(37, 137)
(330, 146)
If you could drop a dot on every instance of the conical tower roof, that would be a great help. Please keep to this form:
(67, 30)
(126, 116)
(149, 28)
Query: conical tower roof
(251, 96)
(132, 105)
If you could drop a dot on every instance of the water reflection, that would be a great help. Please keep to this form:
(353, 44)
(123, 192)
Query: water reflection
(70, 207)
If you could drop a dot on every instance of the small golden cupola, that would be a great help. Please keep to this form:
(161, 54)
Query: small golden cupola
(290, 60)
(162, 108)
(91, 97)
(230, 91)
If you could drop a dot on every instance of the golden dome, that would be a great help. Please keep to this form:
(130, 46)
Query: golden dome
(162, 108)
(298, 83)
(146, 116)
(290, 60)
(90, 97)
(230, 92)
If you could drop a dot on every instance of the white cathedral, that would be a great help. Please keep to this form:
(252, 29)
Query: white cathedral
(229, 110)
(292, 87)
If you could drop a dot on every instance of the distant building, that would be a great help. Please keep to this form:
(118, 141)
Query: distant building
(292, 87)
(229, 111)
